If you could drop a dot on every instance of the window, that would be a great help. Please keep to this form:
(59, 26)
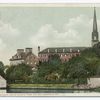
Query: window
(27, 62)
(70, 50)
(48, 50)
(35, 63)
(94, 37)
(78, 50)
(63, 50)
(19, 56)
(55, 50)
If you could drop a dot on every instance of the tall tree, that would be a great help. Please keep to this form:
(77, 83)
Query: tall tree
(76, 69)
(2, 69)
(50, 68)
(18, 72)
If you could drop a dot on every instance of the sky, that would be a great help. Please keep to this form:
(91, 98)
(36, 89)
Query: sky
(22, 27)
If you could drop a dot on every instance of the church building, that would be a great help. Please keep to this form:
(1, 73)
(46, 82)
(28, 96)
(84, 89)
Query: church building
(95, 35)
(66, 53)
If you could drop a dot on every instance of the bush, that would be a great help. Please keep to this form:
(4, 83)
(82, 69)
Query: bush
(19, 72)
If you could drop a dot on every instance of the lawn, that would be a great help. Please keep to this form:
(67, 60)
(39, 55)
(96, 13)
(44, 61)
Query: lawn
(65, 86)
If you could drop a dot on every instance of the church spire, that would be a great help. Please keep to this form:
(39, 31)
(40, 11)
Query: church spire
(95, 36)
(95, 29)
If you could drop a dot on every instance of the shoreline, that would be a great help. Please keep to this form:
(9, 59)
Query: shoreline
(47, 86)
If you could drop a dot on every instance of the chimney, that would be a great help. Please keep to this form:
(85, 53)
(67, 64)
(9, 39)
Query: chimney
(19, 51)
(28, 50)
(38, 48)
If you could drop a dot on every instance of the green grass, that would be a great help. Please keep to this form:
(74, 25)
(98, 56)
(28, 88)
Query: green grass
(65, 86)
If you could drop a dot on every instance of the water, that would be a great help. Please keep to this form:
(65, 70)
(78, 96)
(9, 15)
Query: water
(44, 90)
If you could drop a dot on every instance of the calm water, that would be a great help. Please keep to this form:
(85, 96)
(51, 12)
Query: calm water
(38, 90)
(43, 90)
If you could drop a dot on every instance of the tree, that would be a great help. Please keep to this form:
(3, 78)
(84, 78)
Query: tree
(76, 68)
(85, 66)
(2, 69)
(54, 60)
(18, 72)
(50, 68)
(93, 60)
(1, 66)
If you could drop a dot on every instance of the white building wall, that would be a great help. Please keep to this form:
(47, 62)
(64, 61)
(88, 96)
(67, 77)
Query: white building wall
(16, 62)
(2, 82)
(94, 82)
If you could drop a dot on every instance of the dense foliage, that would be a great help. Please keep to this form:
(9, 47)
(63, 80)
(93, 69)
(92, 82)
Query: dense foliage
(49, 72)
(85, 66)
(76, 70)
(18, 73)
(2, 68)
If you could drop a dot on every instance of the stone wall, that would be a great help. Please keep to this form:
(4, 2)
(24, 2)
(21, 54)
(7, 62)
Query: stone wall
(94, 82)
(2, 82)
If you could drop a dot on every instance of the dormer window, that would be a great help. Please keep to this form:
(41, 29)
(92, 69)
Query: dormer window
(78, 50)
(56, 50)
(48, 50)
(19, 56)
(63, 50)
(70, 50)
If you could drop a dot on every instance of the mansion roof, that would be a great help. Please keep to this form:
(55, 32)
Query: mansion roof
(21, 56)
(62, 49)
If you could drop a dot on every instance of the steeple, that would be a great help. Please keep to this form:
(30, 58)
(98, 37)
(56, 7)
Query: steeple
(95, 29)
(95, 36)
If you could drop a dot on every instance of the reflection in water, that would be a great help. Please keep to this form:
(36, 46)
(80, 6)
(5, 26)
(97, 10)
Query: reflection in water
(43, 90)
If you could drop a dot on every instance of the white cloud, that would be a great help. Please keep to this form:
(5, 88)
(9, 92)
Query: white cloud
(81, 21)
(48, 36)
(76, 32)
(8, 29)
(7, 34)
(2, 49)
(2, 45)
